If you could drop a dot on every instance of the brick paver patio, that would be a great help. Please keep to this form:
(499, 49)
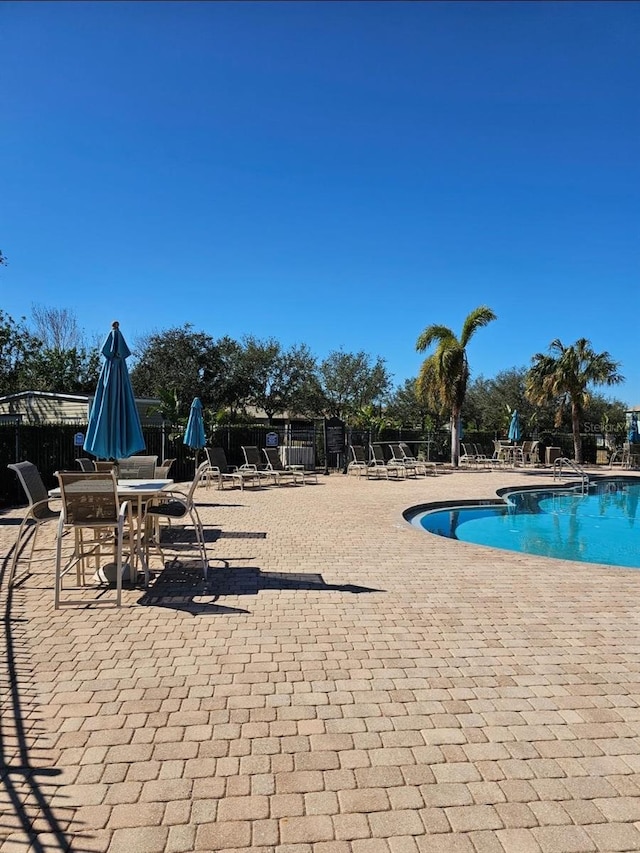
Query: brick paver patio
(343, 684)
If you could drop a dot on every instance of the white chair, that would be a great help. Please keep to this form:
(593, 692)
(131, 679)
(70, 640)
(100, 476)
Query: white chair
(175, 506)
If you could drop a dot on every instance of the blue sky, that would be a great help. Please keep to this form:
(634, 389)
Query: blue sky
(332, 173)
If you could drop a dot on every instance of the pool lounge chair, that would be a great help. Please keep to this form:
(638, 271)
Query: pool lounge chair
(219, 470)
(423, 465)
(253, 461)
(281, 472)
(397, 456)
(360, 465)
(377, 458)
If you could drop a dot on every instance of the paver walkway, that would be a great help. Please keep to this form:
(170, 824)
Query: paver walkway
(344, 684)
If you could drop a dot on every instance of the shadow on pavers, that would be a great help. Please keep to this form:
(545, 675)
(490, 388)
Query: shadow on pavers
(27, 778)
(181, 586)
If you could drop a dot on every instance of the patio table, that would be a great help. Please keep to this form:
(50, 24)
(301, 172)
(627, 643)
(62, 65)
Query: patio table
(139, 492)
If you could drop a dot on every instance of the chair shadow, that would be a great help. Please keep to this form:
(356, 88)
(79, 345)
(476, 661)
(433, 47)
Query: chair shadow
(178, 535)
(181, 586)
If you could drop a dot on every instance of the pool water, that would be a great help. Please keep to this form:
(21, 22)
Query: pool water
(598, 527)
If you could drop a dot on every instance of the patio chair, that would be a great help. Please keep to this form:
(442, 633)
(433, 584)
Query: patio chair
(38, 511)
(467, 456)
(176, 505)
(105, 466)
(92, 511)
(254, 462)
(500, 454)
(422, 465)
(294, 473)
(481, 456)
(162, 471)
(361, 465)
(220, 470)
(531, 453)
(398, 457)
(377, 458)
(137, 468)
(85, 464)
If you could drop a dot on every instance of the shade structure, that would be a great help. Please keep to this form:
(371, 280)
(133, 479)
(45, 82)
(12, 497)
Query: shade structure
(114, 430)
(194, 434)
(515, 432)
(633, 435)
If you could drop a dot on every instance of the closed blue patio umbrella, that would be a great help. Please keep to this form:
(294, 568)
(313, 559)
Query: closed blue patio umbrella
(194, 434)
(515, 432)
(632, 435)
(114, 430)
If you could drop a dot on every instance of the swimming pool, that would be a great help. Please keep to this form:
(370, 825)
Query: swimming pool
(597, 527)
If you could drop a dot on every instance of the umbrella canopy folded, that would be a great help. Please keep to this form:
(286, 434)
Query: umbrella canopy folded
(515, 432)
(194, 434)
(114, 430)
(632, 435)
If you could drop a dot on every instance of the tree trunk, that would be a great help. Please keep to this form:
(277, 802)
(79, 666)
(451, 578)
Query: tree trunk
(455, 439)
(577, 439)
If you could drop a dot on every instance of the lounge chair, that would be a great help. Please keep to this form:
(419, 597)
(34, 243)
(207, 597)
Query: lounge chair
(294, 473)
(422, 465)
(398, 457)
(377, 458)
(253, 461)
(85, 464)
(360, 465)
(220, 470)
(481, 456)
(467, 456)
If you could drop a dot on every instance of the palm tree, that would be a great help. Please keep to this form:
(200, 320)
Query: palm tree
(564, 377)
(444, 375)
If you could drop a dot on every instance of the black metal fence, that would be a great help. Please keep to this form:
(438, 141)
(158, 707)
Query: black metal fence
(53, 447)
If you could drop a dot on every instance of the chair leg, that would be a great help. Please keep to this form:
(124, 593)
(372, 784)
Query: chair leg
(195, 518)
(17, 548)
(58, 574)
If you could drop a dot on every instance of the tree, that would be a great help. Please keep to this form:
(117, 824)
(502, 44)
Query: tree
(17, 347)
(181, 361)
(57, 328)
(444, 375)
(564, 377)
(64, 371)
(405, 407)
(275, 379)
(350, 382)
(64, 363)
(489, 403)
